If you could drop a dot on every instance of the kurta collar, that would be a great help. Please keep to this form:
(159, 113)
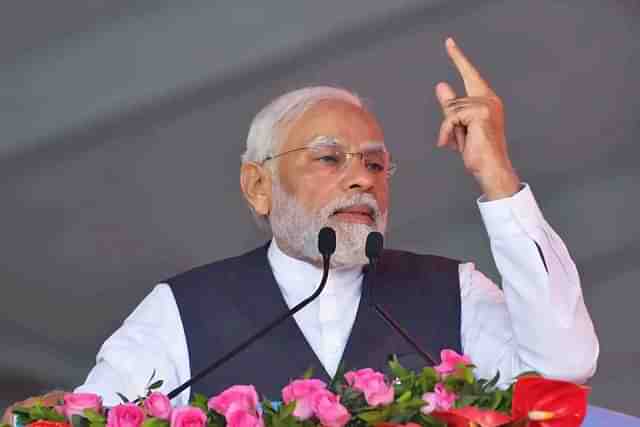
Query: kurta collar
(298, 279)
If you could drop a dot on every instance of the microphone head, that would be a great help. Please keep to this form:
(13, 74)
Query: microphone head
(374, 245)
(327, 241)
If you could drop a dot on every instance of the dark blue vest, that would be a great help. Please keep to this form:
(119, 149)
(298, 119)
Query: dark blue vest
(223, 303)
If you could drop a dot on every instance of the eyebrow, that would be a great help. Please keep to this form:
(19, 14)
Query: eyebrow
(332, 141)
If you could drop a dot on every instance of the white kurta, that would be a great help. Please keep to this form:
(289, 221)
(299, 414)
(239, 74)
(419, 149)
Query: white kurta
(538, 322)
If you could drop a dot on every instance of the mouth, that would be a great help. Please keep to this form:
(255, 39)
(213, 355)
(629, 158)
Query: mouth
(357, 214)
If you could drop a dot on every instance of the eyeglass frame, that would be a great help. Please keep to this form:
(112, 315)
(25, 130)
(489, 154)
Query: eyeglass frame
(389, 172)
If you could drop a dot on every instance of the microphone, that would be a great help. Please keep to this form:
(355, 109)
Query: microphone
(326, 247)
(373, 250)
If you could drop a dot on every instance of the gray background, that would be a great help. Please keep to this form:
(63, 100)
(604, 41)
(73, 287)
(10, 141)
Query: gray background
(122, 125)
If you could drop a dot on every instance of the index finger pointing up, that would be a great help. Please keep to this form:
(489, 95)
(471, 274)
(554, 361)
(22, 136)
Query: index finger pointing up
(474, 84)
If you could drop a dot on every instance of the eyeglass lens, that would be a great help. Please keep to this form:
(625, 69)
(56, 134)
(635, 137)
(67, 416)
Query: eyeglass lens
(335, 158)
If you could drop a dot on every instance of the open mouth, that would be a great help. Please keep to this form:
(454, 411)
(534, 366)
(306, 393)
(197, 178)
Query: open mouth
(361, 214)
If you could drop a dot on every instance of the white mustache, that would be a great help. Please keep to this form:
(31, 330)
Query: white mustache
(363, 199)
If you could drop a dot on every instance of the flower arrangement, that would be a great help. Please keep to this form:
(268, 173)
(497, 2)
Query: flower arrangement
(445, 395)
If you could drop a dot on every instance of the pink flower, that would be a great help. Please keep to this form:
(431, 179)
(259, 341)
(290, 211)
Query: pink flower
(158, 405)
(328, 409)
(439, 400)
(302, 392)
(450, 361)
(125, 415)
(239, 405)
(76, 403)
(188, 416)
(235, 398)
(372, 384)
(243, 419)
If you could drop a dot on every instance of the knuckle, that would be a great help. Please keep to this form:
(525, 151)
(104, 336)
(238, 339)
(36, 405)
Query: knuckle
(496, 101)
(484, 111)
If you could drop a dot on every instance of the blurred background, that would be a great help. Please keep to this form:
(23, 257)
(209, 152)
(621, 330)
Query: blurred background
(122, 124)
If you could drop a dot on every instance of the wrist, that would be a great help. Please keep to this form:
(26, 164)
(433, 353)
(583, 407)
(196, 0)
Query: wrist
(499, 183)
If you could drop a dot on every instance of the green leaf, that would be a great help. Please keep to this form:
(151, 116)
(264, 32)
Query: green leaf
(199, 401)
(155, 422)
(338, 378)
(467, 375)
(415, 403)
(94, 417)
(36, 412)
(465, 400)
(156, 385)
(50, 414)
(286, 410)
(430, 421)
(123, 397)
(20, 410)
(372, 417)
(215, 420)
(23, 420)
(79, 421)
(429, 374)
(267, 406)
(404, 397)
(497, 399)
(308, 373)
(493, 381)
(397, 369)
(153, 375)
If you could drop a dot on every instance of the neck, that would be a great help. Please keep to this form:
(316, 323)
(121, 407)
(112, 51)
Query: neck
(316, 262)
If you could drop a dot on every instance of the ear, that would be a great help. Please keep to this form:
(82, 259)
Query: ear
(255, 182)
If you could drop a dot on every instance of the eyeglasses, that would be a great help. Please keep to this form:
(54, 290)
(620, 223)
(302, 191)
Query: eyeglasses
(329, 156)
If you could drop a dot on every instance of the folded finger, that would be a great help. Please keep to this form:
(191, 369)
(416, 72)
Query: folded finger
(451, 133)
(444, 93)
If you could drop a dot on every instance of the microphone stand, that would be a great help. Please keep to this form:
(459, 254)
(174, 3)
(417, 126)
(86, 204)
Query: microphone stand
(373, 252)
(326, 249)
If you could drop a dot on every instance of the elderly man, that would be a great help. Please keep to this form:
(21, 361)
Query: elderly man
(317, 157)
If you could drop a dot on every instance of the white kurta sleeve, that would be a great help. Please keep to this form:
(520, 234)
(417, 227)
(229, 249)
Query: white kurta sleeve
(539, 321)
(151, 338)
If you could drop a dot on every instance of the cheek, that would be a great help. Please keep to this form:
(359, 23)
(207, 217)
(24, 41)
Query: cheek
(314, 193)
(382, 197)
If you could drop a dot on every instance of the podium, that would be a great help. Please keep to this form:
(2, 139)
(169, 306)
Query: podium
(601, 417)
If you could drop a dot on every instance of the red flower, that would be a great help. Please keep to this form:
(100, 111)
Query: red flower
(464, 417)
(549, 403)
(44, 423)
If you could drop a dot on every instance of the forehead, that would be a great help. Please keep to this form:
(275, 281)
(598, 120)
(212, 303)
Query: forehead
(349, 123)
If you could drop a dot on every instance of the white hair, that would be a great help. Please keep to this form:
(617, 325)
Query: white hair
(266, 130)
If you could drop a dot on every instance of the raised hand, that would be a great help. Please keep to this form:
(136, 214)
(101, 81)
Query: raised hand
(474, 126)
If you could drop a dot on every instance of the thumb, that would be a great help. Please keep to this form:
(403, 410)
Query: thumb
(444, 93)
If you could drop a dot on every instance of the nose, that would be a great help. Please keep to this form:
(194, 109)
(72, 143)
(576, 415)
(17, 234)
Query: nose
(356, 176)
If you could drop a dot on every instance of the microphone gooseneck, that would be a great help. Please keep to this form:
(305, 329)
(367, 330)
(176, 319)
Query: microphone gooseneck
(373, 248)
(326, 247)
(373, 251)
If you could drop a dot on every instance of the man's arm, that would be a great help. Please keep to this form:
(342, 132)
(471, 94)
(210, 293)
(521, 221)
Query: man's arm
(150, 339)
(539, 322)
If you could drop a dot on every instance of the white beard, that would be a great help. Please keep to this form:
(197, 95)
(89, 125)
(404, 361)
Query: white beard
(296, 230)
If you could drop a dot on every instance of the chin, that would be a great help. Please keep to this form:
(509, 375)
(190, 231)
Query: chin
(350, 243)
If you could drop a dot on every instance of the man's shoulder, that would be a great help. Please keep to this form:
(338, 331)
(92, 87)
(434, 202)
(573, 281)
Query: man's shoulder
(244, 262)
